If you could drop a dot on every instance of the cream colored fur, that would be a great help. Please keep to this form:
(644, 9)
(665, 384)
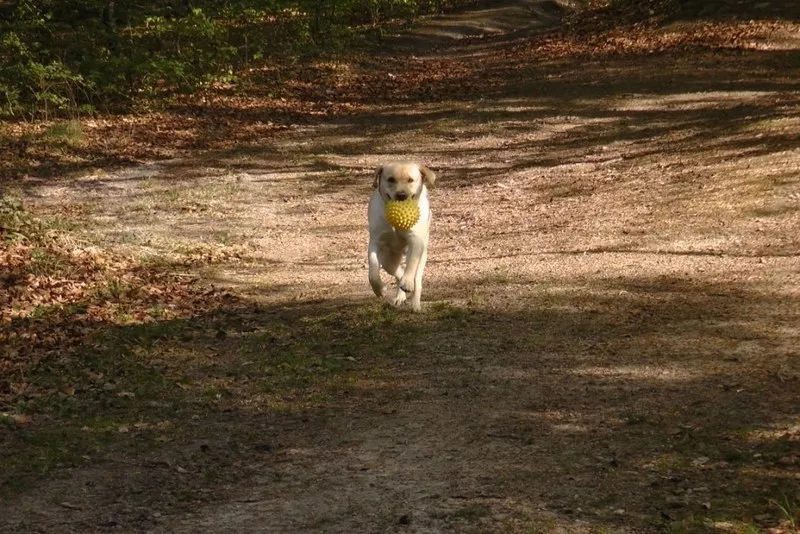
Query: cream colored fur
(389, 246)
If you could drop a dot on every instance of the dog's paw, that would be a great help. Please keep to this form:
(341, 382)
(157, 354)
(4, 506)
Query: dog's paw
(400, 298)
(378, 288)
(407, 284)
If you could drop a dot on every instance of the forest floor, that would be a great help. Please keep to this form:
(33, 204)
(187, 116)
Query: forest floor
(610, 332)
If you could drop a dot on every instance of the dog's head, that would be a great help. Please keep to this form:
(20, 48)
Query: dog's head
(401, 181)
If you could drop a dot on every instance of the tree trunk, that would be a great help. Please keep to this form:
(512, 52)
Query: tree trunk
(110, 16)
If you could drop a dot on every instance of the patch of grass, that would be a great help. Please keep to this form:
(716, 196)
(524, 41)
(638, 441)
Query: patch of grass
(145, 336)
(157, 311)
(69, 132)
(234, 188)
(446, 126)
(477, 298)
(470, 513)
(148, 183)
(113, 290)
(322, 164)
(789, 509)
(133, 374)
(494, 126)
(8, 421)
(58, 310)
(224, 237)
(774, 211)
(670, 461)
(697, 525)
(169, 195)
(17, 224)
(100, 397)
(47, 262)
(534, 527)
(44, 310)
(154, 262)
(213, 393)
(634, 418)
(127, 237)
(691, 525)
(297, 364)
(445, 311)
(501, 276)
(781, 124)
(122, 316)
(212, 475)
(59, 224)
(41, 451)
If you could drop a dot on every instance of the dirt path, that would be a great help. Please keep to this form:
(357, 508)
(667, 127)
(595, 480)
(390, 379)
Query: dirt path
(610, 323)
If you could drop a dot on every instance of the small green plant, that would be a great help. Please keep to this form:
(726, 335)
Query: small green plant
(635, 418)
(47, 262)
(16, 224)
(67, 59)
(212, 475)
(45, 310)
(223, 237)
(790, 510)
(115, 289)
(502, 276)
(470, 513)
(69, 132)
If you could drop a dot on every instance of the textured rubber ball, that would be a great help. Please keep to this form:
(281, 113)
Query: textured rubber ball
(402, 214)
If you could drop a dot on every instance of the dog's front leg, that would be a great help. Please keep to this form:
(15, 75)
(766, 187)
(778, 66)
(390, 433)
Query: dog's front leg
(375, 269)
(416, 296)
(416, 249)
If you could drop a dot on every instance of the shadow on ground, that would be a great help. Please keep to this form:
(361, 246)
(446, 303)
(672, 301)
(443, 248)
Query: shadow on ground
(717, 105)
(589, 404)
(692, 83)
(626, 403)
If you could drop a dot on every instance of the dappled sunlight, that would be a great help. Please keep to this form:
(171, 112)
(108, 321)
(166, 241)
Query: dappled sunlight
(562, 382)
(682, 102)
(786, 432)
(667, 373)
(610, 316)
(559, 421)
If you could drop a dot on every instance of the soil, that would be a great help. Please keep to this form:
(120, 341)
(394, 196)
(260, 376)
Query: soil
(611, 315)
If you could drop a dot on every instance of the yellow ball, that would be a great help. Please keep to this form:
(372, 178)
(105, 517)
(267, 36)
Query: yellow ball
(402, 214)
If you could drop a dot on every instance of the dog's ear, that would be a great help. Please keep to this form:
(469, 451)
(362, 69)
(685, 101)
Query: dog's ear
(377, 177)
(428, 176)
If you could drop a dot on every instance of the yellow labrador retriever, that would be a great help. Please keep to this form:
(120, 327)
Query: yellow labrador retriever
(387, 245)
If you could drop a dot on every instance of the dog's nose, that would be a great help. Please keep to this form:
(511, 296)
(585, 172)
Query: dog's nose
(400, 196)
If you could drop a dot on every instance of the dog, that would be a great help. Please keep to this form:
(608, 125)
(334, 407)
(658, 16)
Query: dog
(388, 245)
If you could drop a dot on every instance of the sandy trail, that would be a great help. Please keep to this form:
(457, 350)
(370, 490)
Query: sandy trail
(610, 321)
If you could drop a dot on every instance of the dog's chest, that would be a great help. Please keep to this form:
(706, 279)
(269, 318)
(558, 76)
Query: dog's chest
(393, 240)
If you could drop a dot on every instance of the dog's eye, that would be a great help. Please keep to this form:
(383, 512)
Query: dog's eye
(391, 180)
(411, 180)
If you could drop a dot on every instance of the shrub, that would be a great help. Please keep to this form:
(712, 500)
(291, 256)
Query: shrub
(59, 57)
